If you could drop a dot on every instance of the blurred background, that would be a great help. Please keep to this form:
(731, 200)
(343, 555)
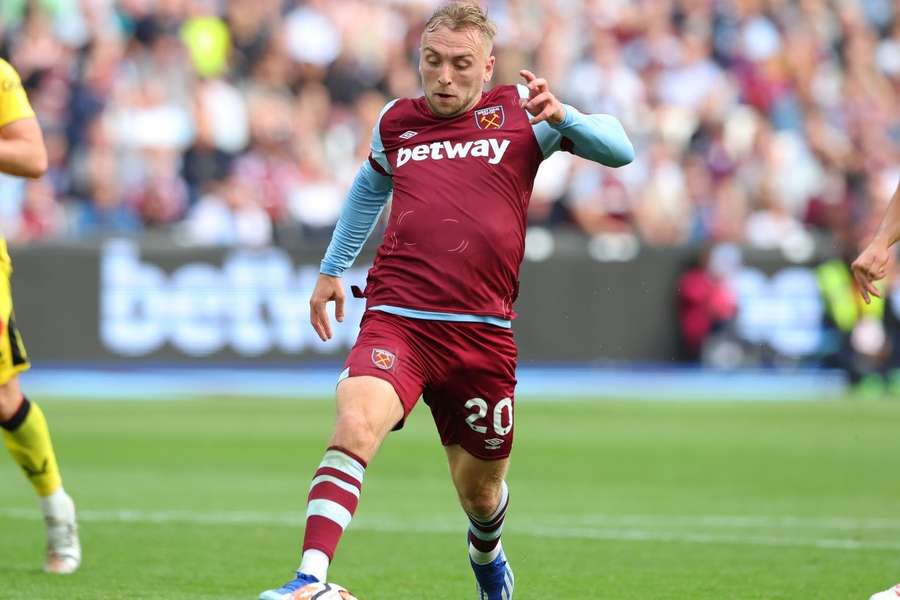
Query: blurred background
(200, 151)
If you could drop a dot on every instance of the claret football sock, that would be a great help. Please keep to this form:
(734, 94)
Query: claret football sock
(333, 498)
(484, 534)
(28, 440)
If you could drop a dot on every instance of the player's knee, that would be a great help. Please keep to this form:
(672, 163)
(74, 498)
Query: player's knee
(10, 399)
(354, 432)
(480, 500)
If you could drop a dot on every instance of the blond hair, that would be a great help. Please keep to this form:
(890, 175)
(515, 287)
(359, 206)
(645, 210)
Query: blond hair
(463, 14)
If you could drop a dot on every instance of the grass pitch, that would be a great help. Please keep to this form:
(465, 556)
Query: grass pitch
(204, 499)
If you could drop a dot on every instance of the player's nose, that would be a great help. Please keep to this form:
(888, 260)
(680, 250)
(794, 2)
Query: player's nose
(444, 76)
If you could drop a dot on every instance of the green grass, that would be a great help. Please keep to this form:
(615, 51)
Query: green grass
(203, 499)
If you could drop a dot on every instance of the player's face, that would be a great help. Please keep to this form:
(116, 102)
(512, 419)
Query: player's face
(454, 66)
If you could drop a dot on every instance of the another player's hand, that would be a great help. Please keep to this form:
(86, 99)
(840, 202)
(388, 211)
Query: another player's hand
(869, 267)
(542, 105)
(327, 289)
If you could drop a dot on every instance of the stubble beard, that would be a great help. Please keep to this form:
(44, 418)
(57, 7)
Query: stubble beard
(448, 113)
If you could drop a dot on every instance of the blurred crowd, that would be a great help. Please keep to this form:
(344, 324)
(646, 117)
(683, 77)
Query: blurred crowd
(761, 122)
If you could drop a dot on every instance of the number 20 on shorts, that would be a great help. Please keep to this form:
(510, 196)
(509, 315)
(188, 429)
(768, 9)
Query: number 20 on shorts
(482, 410)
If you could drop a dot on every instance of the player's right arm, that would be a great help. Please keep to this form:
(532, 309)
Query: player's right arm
(22, 151)
(365, 201)
(872, 263)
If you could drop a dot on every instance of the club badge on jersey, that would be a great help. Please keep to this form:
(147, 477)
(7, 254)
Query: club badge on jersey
(491, 117)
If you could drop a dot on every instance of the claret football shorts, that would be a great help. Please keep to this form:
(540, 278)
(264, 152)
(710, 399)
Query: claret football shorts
(13, 358)
(465, 372)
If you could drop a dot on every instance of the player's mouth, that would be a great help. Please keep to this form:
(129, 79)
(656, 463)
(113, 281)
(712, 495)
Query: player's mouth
(444, 97)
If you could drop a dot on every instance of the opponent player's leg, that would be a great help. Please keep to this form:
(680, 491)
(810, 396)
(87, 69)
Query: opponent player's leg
(367, 409)
(26, 436)
(484, 496)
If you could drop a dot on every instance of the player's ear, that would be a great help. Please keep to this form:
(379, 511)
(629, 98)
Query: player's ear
(489, 68)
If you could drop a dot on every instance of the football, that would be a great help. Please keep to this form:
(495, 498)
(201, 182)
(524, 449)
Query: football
(323, 591)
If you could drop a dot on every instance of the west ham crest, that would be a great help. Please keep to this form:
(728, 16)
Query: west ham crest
(383, 359)
(489, 118)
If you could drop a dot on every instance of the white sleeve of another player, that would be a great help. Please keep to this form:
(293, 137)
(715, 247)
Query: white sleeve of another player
(377, 146)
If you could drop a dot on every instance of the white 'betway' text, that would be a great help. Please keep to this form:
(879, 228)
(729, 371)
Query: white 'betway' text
(491, 148)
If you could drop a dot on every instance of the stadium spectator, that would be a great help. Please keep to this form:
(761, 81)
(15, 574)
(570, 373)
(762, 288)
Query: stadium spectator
(706, 303)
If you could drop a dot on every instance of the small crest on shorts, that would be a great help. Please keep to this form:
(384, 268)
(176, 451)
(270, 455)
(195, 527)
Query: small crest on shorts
(493, 443)
(491, 117)
(383, 359)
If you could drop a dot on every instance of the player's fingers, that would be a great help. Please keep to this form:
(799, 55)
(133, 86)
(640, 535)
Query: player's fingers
(527, 75)
(318, 317)
(866, 286)
(536, 104)
(872, 289)
(339, 308)
(861, 285)
(543, 115)
(538, 85)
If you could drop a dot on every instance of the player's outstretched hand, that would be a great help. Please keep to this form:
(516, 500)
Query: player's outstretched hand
(869, 267)
(327, 289)
(542, 105)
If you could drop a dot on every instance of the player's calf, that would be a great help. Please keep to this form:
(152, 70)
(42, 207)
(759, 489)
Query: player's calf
(493, 575)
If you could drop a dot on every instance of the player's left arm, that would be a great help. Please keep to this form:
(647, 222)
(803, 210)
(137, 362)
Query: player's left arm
(599, 138)
(22, 151)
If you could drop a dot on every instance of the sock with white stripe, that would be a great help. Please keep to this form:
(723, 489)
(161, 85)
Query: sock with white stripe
(484, 534)
(333, 498)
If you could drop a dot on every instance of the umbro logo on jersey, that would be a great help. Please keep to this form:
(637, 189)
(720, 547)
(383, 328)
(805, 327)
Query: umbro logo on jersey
(492, 149)
(408, 134)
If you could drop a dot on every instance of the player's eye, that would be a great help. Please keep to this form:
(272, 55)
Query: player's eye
(463, 64)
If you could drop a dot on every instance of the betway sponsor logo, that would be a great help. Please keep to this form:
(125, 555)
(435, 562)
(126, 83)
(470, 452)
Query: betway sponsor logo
(252, 303)
(491, 148)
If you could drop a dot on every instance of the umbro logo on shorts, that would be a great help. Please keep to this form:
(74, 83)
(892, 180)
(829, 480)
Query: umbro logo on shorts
(383, 359)
(493, 444)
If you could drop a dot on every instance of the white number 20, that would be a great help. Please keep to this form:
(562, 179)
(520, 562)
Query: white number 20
(481, 405)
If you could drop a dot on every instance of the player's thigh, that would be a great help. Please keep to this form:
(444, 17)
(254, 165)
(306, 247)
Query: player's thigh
(474, 406)
(477, 481)
(13, 357)
(382, 378)
(368, 408)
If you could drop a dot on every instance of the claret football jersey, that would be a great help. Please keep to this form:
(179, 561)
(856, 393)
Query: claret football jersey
(461, 186)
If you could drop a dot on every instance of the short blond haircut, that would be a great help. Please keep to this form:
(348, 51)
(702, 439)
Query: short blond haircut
(463, 14)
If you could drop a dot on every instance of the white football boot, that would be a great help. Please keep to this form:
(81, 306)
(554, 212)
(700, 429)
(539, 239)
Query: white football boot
(891, 594)
(63, 546)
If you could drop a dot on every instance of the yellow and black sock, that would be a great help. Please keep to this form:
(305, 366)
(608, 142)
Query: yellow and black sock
(28, 440)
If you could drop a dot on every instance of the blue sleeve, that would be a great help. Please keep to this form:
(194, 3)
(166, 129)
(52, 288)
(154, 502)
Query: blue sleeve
(365, 201)
(599, 138)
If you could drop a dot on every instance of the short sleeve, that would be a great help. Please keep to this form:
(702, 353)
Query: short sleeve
(14, 103)
(377, 147)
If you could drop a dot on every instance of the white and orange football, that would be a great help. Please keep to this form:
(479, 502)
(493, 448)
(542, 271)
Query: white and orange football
(323, 591)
